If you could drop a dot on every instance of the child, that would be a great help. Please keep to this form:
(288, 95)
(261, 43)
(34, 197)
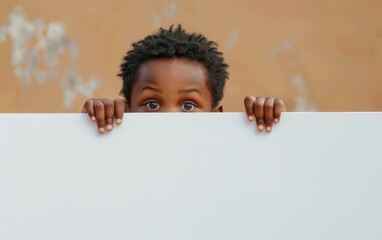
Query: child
(175, 71)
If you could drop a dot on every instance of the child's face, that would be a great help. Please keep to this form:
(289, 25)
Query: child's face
(172, 85)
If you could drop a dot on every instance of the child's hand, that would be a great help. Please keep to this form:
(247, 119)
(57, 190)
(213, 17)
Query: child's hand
(104, 111)
(266, 111)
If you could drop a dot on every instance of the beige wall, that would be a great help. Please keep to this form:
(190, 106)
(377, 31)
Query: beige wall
(315, 54)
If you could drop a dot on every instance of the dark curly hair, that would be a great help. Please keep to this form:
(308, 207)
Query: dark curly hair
(175, 42)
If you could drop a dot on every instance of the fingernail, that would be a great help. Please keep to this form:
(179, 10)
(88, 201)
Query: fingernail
(251, 118)
(118, 121)
(276, 120)
(109, 127)
(269, 129)
(93, 119)
(260, 128)
(101, 130)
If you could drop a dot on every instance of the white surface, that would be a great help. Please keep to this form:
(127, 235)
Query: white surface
(191, 176)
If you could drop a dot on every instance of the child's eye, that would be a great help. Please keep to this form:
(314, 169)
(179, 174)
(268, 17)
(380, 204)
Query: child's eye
(188, 106)
(152, 105)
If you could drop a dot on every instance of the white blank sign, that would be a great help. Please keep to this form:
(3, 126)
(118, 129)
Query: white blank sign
(191, 176)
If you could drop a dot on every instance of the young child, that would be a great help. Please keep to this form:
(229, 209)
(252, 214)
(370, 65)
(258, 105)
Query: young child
(175, 71)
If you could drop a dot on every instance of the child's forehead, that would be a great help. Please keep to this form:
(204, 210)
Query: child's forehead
(172, 70)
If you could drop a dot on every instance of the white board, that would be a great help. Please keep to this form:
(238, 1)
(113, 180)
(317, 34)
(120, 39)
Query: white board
(191, 176)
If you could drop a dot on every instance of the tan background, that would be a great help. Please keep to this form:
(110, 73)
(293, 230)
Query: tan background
(315, 54)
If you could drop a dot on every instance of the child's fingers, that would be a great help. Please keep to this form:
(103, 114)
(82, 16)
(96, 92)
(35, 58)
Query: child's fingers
(259, 112)
(279, 107)
(119, 109)
(268, 113)
(100, 115)
(89, 109)
(248, 104)
(109, 113)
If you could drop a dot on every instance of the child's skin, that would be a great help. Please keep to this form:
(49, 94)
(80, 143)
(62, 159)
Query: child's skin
(176, 85)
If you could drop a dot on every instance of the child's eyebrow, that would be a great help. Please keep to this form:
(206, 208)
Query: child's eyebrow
(150, 88)
(189, 90)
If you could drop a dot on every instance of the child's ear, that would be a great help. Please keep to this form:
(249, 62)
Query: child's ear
(218, 108)
(127, 108)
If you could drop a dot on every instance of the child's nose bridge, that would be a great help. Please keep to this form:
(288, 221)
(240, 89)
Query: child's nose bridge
(170, 109)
